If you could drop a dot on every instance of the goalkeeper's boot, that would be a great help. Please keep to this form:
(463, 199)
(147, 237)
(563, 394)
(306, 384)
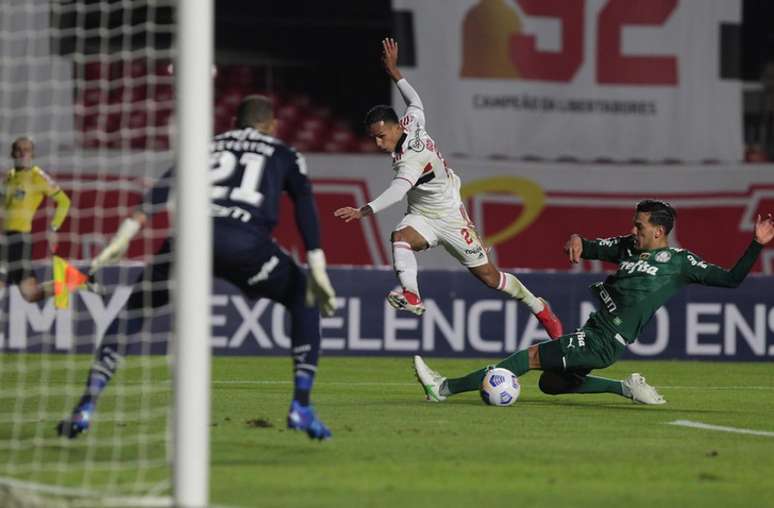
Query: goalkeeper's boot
(304, 418)
(406, 300)
(550, 321)
(638, 390)
(79, 421)
(430, 380)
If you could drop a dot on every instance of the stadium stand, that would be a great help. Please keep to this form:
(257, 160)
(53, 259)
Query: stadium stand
(105, 89)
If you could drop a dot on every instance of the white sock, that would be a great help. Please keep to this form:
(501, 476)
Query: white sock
(405, 264)
(512, 286)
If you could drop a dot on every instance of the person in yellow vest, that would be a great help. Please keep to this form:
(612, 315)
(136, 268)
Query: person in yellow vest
(24, 188)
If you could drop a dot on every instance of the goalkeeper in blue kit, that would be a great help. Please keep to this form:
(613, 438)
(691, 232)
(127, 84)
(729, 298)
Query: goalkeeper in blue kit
(649, 273)
(250, 170)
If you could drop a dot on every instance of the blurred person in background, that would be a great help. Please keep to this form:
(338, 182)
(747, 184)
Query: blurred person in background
(24, 188)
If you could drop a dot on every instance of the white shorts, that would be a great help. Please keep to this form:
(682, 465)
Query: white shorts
(455, 233)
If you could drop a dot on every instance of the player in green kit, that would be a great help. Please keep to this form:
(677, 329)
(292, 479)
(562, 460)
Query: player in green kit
(649, 273)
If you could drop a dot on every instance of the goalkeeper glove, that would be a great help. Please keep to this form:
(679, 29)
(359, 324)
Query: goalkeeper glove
(318, 286)
(116, 249)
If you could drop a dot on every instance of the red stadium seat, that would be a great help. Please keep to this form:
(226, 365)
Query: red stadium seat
(92, 97)
(94, 70)
(238, 75)
(313, 123)
(367, 145)
(138, 69)
(138, 120)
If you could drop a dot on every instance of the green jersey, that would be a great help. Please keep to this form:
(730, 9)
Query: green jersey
(646, 279)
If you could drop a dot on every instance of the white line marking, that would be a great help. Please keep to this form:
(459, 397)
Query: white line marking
(70, 492)
(707, 426)
(718, 387)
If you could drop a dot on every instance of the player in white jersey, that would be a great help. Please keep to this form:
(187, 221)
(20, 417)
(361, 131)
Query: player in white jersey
(436, 215)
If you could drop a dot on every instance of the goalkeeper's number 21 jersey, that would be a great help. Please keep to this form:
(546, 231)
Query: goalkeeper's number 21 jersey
(645, 280)
(249, 172)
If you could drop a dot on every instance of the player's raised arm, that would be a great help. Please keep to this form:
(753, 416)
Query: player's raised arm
(764, 229)
(698, 271)
(390, 59)
(390, 62)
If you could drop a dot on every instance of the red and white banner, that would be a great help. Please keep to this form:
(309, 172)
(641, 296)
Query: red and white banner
(526, 211)
(587, 79)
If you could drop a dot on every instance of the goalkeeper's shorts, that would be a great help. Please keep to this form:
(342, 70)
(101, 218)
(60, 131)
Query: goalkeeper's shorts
(256, 264)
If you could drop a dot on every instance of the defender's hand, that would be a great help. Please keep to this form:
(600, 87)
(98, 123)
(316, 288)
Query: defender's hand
(318, 286)
(574, 248)
(390, 58)
(764, 229)
(348, 213)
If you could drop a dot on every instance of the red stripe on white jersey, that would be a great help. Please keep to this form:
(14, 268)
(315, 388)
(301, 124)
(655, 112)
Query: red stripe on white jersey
(428, 167)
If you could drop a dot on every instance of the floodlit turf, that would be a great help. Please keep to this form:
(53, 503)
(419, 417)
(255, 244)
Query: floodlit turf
(392, 449)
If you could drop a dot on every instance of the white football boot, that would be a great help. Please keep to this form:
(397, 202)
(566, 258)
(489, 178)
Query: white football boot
(640, 391)
(429, 379)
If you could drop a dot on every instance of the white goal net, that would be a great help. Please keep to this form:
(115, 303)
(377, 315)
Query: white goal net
(89, 84)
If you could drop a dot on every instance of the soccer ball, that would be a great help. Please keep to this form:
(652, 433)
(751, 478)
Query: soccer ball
(500, 387)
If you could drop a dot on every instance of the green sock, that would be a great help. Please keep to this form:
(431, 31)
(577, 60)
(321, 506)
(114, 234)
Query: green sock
(594, 384)
(518, 362)
(466, 383)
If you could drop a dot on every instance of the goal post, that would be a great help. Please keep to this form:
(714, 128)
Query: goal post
(193, 264)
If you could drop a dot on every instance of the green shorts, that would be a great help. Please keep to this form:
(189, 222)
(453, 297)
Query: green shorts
(591, 347)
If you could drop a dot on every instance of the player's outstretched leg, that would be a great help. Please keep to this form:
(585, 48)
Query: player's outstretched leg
(102, 369)
(635, 388)
(512, 286)
(433, 384)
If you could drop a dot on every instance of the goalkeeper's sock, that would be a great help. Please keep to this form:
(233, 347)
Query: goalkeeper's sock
(302, 387)
(405, 264)
(95, 384)
(512, 286)
(102, 369)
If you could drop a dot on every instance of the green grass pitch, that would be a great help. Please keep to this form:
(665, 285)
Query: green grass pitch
(391, 448)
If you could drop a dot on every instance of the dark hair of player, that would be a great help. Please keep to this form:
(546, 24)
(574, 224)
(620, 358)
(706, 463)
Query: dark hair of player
(253, 110)
(380, 113)
(661, 213)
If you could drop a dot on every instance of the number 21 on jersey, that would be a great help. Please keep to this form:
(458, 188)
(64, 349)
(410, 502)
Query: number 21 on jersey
(223, 165)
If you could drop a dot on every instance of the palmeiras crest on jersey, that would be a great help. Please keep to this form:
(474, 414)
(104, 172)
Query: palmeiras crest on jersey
(663, 257)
